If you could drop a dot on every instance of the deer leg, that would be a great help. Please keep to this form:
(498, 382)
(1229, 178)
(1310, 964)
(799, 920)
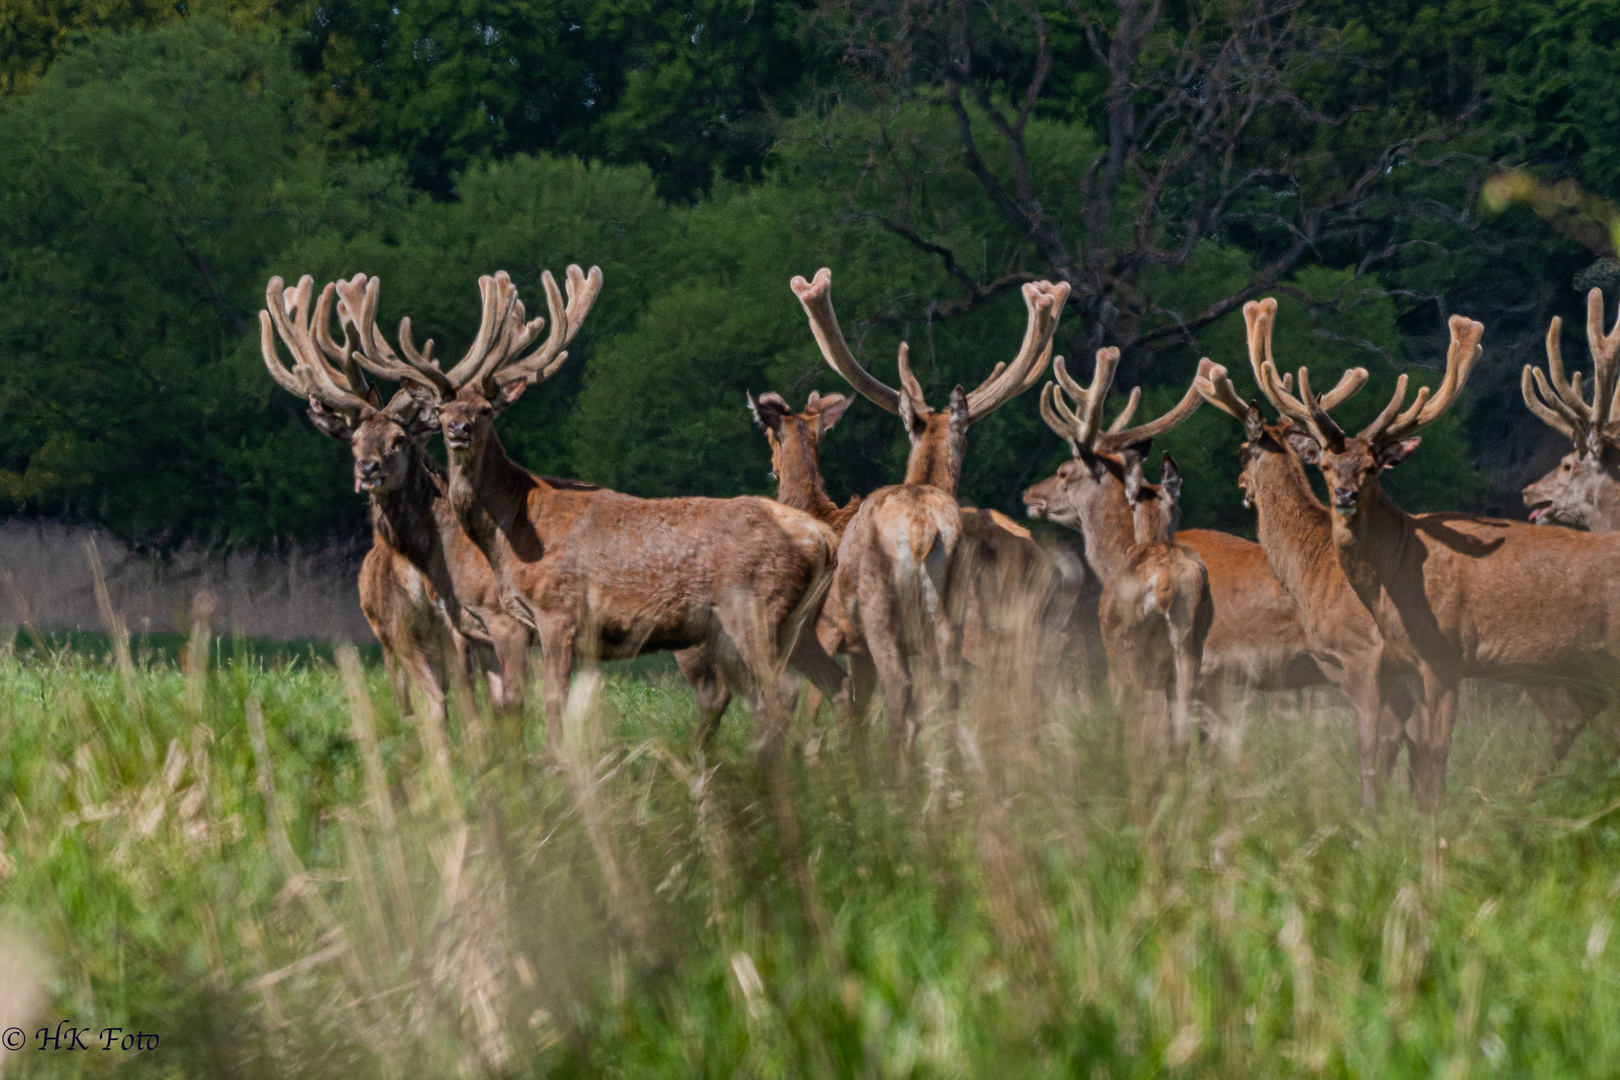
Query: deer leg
(1184, 679)
(1433, 745)
(895, 674)
(711, 692)
(556, 668)
(1567, 713)
(1360, 685)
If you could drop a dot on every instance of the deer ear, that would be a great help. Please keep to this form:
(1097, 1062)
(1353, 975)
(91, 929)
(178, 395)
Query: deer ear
(1254, 424)
(1133, 477)
(1303, 445)
(508, 393)
(959, 409)
(827, 410)
(1397, 452)
(1170, 476)
(330, 422)
(908, 414)
(768, 410)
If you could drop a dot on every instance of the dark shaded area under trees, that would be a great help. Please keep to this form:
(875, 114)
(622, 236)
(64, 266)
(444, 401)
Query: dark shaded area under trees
(1170, 160)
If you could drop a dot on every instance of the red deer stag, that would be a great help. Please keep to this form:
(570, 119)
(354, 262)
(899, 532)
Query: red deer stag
(608, 573)
(1155, 613)
(423, 575)
(1255, 638)
(900, 552)
(1456, 595)
(1296, 534)
(1584, 490)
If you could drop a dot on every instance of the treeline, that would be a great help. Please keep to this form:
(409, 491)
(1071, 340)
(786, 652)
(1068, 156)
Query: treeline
(162, 161)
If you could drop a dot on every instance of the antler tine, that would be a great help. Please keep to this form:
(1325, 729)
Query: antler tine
(289, 379)
(358, 299)
(1568, 392)
(1553, 411)
(1126, 437)
(497, 296)
(1057, 414)
(1127, 412)
(291, 318)
(816, 296)
(1605, 348)
(909, 383)
(1461, 356)
(1217, 389)
(1044, 302)
(566, 320)
(1309, 412)
(1090, 402)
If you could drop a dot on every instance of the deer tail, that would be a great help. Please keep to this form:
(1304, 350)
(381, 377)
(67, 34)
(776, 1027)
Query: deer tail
(808, 609)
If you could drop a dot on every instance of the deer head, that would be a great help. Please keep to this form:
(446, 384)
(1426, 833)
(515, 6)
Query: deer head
(938, 438)
(1085, 488)
(341, 403)
(795, 438)
(1263, 439)
(1155, 508)
(494, 372)
(1585, 487)
(1351, 464)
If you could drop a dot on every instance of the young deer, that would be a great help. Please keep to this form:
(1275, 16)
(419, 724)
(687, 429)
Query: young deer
(1584, 491)
(1255, 639)
(1156, 612)
(1452, 594)
(606, 573)
(895, 597)
(422, 561)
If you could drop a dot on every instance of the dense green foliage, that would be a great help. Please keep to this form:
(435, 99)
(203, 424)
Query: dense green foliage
(622, 915)
(163, 161)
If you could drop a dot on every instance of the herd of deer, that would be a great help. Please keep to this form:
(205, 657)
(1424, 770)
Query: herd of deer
(476, 561)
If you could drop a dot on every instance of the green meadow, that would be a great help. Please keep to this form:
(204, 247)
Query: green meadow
(260, 861)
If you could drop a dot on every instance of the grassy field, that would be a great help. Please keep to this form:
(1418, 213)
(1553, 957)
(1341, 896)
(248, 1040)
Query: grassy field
(268, 868)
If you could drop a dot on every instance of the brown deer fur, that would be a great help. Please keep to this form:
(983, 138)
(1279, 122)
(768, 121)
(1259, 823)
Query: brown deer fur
(430, 564)
(610, 574)
(1156, 612)
(1452, 594)
(895, 601)
(1583, 492)
(1297, 537)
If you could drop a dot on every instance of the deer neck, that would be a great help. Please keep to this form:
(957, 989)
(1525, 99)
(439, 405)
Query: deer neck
(799, 484)
(1604, 517)
(1295, 529)
(410, 518)
(1373, 543)
(488, 492)
(1108, 525)
(934, 461)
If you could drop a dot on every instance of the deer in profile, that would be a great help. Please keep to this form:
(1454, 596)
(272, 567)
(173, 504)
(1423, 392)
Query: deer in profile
(1583, 492)
(1296, 534)
(425, 588)
(1156, 612)
(897, 599)
(608, 575)
(1255, 638)
(1455, 595)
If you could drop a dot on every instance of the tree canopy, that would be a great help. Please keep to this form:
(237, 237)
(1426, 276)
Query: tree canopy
(1169, 161)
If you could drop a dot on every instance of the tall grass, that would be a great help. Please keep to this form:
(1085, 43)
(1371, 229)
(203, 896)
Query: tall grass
(280, 876)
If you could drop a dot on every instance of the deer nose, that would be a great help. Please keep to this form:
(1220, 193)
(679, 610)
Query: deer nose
(458, 429)
(368, 466)
(1034, 505)
(1346, 496)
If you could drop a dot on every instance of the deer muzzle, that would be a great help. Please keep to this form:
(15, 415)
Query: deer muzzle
(1346, 500)
(367, 474)
(458, 435)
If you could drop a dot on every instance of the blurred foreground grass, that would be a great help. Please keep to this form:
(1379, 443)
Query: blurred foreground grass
(616, 909)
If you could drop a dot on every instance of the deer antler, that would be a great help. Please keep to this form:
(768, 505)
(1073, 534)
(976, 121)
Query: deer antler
(1562, 405)
(298, 327)
(1306, 410)
(1044, 302)
(816, 296)
(1083, 425)
(505, 331)
(357, 304)
(1392, 425)
(1217, 389)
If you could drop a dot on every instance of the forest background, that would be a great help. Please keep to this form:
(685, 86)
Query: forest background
(1170, 158)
